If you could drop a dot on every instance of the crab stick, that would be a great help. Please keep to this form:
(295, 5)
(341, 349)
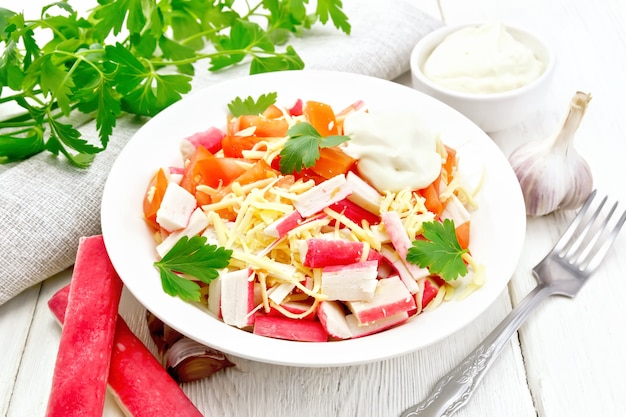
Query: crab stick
(139, 383)
(322, 195)
(320, 252)
(82, 363)
(352, 282)
(391, 297)
(289, 329)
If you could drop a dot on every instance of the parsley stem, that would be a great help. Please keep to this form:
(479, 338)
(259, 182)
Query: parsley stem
(200, 35)
(11, 125)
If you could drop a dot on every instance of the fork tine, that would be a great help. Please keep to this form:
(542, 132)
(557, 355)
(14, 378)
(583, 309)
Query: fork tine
(599, 255)
(590, 248)
(567, 235)
(581, 236)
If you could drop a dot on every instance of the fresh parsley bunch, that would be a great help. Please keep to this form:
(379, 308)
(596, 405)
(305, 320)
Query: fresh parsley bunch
(131, 56)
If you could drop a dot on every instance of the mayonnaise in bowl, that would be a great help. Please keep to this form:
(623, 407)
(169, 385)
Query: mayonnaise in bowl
(493, 74)
(481, 60)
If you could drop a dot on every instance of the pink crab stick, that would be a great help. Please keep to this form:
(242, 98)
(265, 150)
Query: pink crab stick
(82, 363)
(139, 383)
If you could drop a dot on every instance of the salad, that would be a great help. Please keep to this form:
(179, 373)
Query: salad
(277, 223)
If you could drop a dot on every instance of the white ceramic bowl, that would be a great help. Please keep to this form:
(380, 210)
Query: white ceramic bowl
(490, 111)
(130, 243)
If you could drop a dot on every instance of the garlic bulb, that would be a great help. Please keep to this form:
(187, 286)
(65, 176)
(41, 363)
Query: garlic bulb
(551, 173)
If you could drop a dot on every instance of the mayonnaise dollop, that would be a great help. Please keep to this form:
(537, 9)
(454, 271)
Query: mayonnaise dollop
(395, 150)
(482, 59)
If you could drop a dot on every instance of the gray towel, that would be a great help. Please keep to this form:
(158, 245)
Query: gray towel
(46, 205)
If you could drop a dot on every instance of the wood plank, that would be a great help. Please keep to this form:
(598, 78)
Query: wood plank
(16, 316)
(32, 385)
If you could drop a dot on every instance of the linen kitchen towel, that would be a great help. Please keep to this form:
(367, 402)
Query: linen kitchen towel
(46, 205)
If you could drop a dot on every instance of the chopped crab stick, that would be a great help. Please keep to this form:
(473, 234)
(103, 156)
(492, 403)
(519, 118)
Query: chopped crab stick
(211, 139)
(322, 195)
(320, 252)
(354, 212)
(176, 207)
(350, 282)
(215, 297)
(456, 211)
(289, 329)
(401, 268)
(391, 297)
(281, 291)
(333, 319)
(138, 382)
(293, 307)
(363, 194)
(359, 330)
(237, 298)
(82, 364)
(283, 225)
(197, 223)
(401, 242)
(430, 292)
(397, 232)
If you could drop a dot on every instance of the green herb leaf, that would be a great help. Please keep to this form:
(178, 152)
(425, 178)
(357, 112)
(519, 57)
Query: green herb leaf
(239, 107)
(302, 149)
(193, 257)
(441, 252)
(332, 9)
(54, 79)
(145, 92)
(289, 60)
(15, 148)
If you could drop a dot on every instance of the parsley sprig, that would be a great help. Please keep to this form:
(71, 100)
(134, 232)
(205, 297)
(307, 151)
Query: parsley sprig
(131, 56)
(239, 107)
(302, 149)
(441, 252)
(192, 257)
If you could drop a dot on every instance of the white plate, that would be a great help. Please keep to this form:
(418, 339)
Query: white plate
(498, 226)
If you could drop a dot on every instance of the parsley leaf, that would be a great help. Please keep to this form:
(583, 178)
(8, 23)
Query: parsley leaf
(239, 107)
(193, 257)
(332, 9)
(441, 252)
(302, 149)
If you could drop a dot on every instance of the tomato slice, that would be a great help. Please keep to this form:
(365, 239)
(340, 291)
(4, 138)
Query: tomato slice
(273, 112)
(206, 169)
(333, 161)
(321, 116)
(450, 162)
(259, 171)
(432, 200)
(463, 234)
(265, 127)
(216, 172)
(233, 146)
(154, 196)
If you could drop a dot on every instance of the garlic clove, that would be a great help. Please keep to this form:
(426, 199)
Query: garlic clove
(184, 359)
(188, 360)
(552, 175)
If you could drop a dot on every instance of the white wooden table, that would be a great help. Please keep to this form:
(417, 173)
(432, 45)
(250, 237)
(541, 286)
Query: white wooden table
(568, 359)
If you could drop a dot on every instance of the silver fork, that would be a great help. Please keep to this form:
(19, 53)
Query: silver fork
(563, 271)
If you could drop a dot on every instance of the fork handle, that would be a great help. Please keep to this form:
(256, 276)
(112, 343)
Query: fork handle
(455, 388)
